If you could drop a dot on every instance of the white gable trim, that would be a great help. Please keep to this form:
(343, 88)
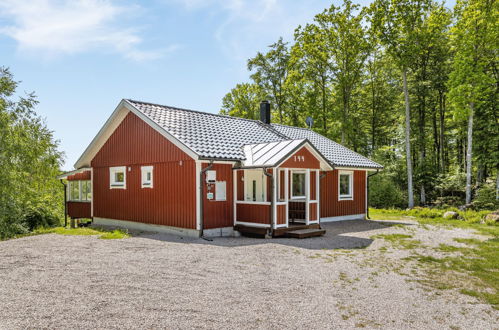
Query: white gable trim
(121, 111)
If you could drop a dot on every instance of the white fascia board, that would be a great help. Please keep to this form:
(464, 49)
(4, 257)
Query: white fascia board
(65, 175)
(121, 111)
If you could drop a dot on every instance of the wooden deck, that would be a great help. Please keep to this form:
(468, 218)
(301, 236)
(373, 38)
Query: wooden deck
(294, 231)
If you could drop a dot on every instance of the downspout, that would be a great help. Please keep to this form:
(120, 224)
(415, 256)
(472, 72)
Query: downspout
(201, 201)
(367, 201)
(272, 202)
(65, 204)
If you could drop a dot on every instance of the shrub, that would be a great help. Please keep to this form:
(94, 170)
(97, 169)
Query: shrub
(384, 193)
(11, 229)
(40, 218)
(485, 198)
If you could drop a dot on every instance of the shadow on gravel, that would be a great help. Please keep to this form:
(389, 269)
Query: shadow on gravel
(339, 235)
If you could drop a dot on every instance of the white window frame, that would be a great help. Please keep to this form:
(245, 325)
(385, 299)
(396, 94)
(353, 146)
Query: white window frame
(113, 184)
(80, 198)
(298, 172)
(143, 174)
(348, 197)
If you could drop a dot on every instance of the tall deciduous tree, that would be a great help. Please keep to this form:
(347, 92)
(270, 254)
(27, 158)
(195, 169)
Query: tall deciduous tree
(475, 40)
(270, 73)
(397, 23)
(243, 101)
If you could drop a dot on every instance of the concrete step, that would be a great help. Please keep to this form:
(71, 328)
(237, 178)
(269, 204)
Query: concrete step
(305, 233)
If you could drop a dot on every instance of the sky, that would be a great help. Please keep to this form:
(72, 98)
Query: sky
(81, 57)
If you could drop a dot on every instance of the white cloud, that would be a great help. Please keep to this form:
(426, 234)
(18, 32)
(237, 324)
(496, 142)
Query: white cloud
(249, 25)
(57, 27)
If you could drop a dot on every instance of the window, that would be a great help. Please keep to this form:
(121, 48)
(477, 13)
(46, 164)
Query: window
(255, 186)
(147, 180)
(74, 190)
(345, 186)
(298, 185)
(80, 191)
(117, 177)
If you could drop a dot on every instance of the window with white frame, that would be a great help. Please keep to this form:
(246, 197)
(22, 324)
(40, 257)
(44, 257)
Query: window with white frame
(297, 184)
(117, 177)
(345, 185)
(80, 191)
(147, 177)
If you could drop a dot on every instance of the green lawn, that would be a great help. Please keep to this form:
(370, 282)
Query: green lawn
(84, 231)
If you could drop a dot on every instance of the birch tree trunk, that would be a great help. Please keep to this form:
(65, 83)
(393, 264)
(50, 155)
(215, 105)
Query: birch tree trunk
(410, 194)
(469, 153)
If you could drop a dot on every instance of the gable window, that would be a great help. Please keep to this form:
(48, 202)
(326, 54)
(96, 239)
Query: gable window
(345, 185)
(117, 177)
(147, 178)
(298, 185)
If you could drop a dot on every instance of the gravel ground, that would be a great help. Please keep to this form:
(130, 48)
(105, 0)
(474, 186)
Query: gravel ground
(160, 281)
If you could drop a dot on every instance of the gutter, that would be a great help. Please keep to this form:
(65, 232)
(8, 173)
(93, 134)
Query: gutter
(201, 201)
(65, 204)
(272, 202)
(367, 200)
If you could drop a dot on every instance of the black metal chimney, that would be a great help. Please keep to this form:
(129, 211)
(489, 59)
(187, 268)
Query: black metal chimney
(265, 112)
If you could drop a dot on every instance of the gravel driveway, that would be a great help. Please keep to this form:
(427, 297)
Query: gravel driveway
(160, 281)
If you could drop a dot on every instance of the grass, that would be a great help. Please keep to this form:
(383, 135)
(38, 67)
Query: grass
(399, 240)
(85, 231)
(475, 271)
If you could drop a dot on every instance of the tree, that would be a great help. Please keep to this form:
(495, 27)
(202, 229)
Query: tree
(30, 195)
(475, 37)
(271, 71)
(396, 23)
(243, 101)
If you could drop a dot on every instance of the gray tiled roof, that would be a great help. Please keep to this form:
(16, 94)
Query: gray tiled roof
(334, 152)
(223, 137)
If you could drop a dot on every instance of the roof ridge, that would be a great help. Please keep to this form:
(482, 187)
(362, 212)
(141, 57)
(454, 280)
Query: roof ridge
(195, 111)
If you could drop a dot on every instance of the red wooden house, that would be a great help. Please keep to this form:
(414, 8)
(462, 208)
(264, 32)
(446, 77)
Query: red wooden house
(160, 168)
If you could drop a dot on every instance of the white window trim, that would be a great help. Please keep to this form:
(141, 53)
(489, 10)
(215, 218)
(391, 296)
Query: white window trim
(112, 183)
(143, 175)
(80, 191)
(350, 196)
(304, 172)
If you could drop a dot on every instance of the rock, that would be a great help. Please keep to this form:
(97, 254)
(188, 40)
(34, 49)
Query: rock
(492, 217)
(451, 215)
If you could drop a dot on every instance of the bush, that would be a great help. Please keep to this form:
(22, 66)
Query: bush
(485, 198)
(40, 218)
(384, 193)
(8, 230)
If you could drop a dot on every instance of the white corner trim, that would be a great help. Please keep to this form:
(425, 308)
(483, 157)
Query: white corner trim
(361, 216)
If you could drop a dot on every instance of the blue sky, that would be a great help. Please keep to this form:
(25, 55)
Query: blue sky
(81, 57)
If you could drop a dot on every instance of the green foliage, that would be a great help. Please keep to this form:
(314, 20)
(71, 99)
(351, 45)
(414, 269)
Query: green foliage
(486, 198)
(345, 69)
(84, 231)
(30, 195)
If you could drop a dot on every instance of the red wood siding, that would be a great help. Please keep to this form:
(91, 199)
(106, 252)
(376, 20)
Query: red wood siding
(281, 214)
(295, 161)
(312, 209)
(135, 142)
(282, 182)
(78, 210)
(313, 184)
(331, 207)
(171, 201)
(240, 185)
(219, 213)
(79, 176)
(255, 213)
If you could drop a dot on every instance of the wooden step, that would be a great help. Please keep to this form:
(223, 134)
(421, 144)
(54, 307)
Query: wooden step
(305, 233)
(282, 231)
